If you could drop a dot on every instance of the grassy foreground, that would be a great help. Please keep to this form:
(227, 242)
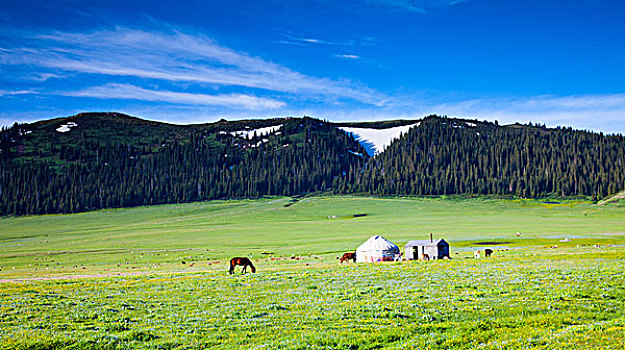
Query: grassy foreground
(115, 279)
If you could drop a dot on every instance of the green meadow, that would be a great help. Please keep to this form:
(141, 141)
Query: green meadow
(156, 277)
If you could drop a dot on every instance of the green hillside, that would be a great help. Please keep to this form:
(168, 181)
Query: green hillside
(454, 156)
(112, 160)
(108, 160)
(155, 277)
(321, 226)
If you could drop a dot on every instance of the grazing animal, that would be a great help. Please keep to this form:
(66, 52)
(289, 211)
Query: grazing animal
(426, 257)
(348, 256)
(488, 252)
(241, 261)
(476, 254)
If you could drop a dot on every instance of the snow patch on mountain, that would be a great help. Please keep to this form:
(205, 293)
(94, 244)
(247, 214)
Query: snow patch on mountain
(66, 127)
(355, 153)
(248, 134)
(374, 141)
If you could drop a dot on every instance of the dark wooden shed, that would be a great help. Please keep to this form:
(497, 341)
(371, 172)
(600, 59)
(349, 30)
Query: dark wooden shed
(434, 249)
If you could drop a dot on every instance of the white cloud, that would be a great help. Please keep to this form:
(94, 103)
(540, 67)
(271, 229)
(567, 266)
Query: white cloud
(604, 112)
(347, 56)
(302, 41)
(414, 5)
(130, 92)
(555, 110)
(175, 57)
(44, 76)
(422, 6)
(17, 92)
(577, 102)
(507, 110)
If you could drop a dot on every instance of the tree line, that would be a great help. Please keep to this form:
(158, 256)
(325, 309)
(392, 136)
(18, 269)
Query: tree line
(441, 156)
(446, 156)
(306, 156)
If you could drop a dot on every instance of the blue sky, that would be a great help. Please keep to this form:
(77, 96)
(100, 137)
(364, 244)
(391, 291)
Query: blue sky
(552, 62)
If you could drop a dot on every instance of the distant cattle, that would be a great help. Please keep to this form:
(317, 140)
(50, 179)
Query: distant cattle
(348, 256)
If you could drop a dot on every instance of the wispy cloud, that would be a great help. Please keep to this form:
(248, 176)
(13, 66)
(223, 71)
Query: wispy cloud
(289, 42)
(130, 92)
(174, 56)
(17, 92)
(543, 105)
(592, 112)
(300, 41)
(604, 112)
(414, 5)
(347, 56)
(45, 76)
(422, 6)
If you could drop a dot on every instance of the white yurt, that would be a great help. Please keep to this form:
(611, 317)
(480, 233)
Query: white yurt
(377, 248)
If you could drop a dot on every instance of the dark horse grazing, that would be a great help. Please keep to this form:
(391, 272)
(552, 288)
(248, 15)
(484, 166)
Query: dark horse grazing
(241, 261)
(348, 256)
(488, 252)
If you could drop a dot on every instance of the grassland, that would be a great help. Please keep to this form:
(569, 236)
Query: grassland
(115, 279)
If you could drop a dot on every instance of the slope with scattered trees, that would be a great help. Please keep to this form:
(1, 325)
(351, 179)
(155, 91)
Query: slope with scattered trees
(454, 156)
(108, 160)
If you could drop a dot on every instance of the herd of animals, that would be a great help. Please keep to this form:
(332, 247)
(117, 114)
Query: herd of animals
(245, 262)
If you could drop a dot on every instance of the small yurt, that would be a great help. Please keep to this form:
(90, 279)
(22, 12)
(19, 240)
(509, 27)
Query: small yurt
(377, 248)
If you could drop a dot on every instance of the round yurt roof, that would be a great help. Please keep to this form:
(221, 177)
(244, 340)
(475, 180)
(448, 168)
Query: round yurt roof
(378, 243)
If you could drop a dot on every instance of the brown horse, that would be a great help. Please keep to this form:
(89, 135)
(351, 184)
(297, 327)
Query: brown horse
(241, 261)
(348, 256)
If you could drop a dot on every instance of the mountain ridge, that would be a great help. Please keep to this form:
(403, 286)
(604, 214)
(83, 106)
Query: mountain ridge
(101, 160)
